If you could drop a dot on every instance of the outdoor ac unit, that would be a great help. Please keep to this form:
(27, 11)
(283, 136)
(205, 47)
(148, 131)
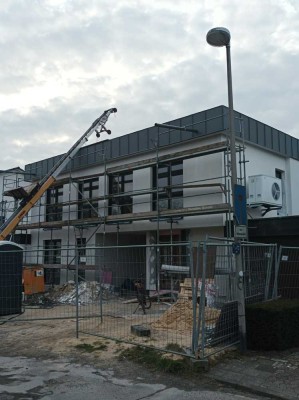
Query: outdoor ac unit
(264, 190)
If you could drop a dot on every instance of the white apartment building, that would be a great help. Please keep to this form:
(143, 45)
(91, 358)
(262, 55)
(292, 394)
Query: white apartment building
(161, 184)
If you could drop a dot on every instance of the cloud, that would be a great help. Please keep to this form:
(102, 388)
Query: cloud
(64, 62)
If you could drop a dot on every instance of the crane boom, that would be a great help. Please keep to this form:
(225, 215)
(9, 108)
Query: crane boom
(45, 183)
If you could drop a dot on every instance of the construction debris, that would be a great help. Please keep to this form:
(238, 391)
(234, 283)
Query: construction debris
(87, 292)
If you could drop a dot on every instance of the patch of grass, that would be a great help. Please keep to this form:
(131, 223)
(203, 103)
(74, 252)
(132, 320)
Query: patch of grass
(174, 347)
(156, 360)
(90, 348)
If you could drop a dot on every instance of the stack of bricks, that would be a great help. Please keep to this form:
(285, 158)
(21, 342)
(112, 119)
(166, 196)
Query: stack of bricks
(186, 289)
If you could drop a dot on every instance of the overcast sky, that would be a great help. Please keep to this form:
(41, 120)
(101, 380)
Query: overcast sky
(63, 62)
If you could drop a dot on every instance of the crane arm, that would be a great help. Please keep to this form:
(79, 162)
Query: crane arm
(28, 202)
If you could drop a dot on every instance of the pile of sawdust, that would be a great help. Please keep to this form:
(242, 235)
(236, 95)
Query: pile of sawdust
(179, 317)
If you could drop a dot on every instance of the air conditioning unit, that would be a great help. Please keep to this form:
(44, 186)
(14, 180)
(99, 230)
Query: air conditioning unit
(264, 190)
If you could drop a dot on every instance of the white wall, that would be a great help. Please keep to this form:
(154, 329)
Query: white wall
(204, 169)
(263, 162)
(292, 183)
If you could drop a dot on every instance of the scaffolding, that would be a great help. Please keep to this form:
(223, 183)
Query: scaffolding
(102, 213)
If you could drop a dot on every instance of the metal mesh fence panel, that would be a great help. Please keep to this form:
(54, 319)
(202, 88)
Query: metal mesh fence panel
(46, 284)
(145, 296)
(287, 273)
(259, 271)
(217, 309)
(217, 322)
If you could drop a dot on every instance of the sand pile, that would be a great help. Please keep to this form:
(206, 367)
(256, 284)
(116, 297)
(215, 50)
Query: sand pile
(179, 317)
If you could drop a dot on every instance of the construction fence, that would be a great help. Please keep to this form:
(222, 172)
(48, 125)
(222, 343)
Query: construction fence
(178, 297)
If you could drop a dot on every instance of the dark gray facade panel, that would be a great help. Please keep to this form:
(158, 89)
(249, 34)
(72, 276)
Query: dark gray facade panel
(282, 142)
(115, 148)
(268, 137)
(106, 149)
(199, 123)
(164, 137)
(175, 136)
(244, 126)
(261, 134)
(124, 145)
(188, 123)
(44, 167)
(215, 120)
(293, 149)
(91, 154)
(153, 136)
(133, 142)
(84, 156)
(75, 163)
(253, 131)
(143, 140)
(275, 140)
(201, 127)
(288, 140)
(100, 152)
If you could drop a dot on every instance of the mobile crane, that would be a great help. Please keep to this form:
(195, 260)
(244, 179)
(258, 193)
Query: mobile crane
(34, 192)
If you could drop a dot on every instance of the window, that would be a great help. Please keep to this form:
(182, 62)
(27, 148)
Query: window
(169, 176)
(278, 174)
(52, 255)
(54, 199)
(120, 185)
(88, 192)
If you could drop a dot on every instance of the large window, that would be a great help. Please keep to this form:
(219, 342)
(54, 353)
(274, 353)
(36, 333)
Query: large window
(120, 187)
(54, 199)
(52, 255)
(169, 180)
(88, 192)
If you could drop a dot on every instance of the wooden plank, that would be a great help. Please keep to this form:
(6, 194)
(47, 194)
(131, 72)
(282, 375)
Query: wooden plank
(148, 215)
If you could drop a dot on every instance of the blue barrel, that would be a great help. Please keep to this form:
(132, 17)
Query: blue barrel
(11, 264)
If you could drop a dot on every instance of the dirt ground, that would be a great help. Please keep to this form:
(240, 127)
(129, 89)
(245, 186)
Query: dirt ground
(49, 329)
(53, 338)
(50, 339)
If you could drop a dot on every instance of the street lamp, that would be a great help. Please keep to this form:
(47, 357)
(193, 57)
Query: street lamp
(220, 37)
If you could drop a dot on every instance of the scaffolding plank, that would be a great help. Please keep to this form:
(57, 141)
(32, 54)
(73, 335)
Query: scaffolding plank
(148, 215)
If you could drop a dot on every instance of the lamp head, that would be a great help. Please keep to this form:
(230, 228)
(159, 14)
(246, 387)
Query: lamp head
(218, 37)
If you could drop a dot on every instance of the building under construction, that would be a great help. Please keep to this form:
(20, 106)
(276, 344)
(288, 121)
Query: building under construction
(169, 183)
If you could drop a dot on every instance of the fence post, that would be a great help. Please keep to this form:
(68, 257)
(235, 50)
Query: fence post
(194, 345)
(201, 321)
(77, 292)
(196, 324)
(239, 284)
(268, 273)
(277, 266)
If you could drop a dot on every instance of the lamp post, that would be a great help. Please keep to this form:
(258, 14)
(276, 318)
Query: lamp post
(220, 37)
